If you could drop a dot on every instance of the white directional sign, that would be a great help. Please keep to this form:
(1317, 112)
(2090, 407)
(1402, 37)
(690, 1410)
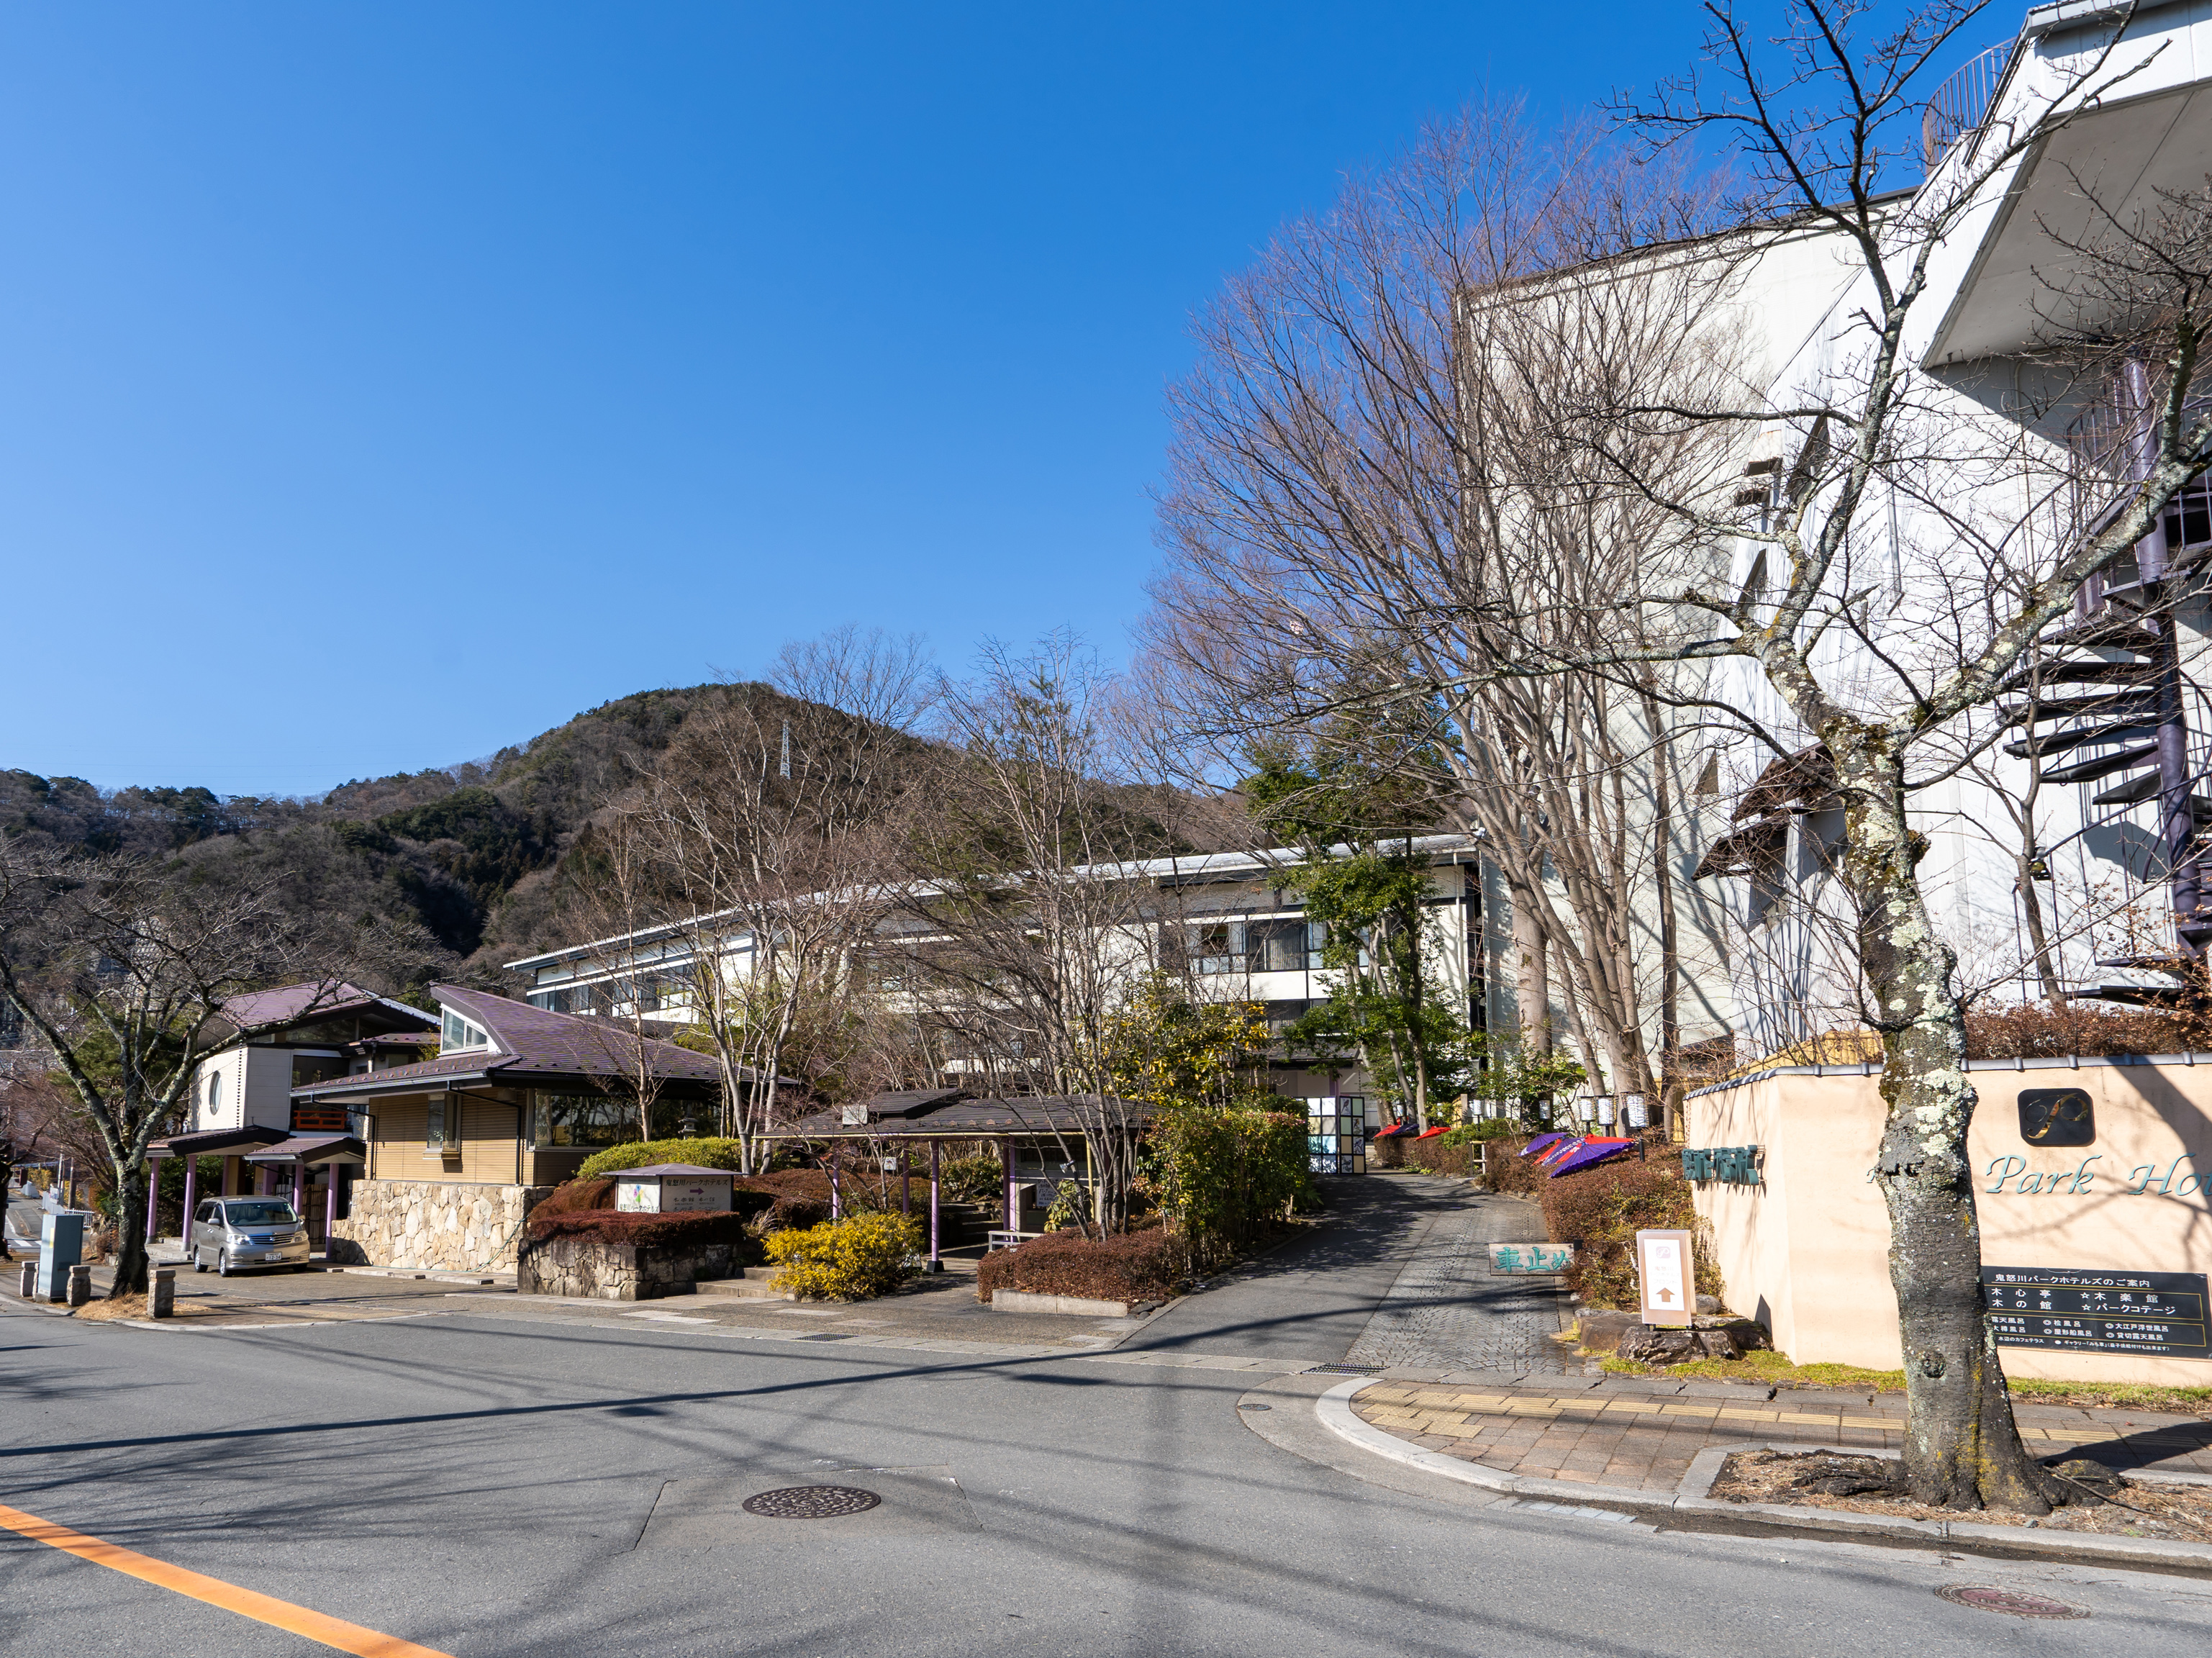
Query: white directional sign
(1665, 1278)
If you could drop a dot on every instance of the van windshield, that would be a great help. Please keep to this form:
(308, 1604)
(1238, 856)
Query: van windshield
(268, 1212)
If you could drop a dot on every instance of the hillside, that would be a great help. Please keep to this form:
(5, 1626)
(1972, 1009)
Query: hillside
(473, 854)
(463, 868)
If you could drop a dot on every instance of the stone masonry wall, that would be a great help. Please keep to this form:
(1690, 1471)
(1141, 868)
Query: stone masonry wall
(592, 1266)
(438, 1225)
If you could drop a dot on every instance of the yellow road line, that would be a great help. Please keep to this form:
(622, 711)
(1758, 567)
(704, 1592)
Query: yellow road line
(262, 1608)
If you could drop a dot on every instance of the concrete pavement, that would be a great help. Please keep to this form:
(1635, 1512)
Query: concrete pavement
(487, 1487)
(507, 1478)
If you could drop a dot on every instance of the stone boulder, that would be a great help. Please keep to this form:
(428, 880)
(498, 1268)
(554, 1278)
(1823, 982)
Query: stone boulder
(1647, 1344)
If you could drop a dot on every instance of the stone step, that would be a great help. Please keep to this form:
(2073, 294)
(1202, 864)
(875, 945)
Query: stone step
(744, 1288)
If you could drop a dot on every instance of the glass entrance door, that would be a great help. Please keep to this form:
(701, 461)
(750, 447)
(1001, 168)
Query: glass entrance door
(1336, 1135)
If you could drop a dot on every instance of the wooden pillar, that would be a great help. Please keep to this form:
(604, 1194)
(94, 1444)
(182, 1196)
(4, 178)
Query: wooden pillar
(906, 1183)
(936, 1264)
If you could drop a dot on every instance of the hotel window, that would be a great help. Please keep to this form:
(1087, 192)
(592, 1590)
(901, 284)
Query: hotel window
(441, 1125)
(1220, 948)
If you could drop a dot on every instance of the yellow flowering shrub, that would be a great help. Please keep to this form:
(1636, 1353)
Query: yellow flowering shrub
(849, 1260)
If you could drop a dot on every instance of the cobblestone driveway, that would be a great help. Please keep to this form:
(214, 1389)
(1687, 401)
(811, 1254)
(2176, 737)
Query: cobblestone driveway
(1448, 1311)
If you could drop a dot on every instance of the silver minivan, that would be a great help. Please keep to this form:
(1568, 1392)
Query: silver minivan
(228, 1233)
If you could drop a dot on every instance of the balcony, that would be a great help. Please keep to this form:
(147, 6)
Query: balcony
(1962, 103)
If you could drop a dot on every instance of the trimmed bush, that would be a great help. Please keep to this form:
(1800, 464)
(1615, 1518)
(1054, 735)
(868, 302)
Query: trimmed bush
(850, 1259)
(1131, 1267)
(576, 1197)
(1443, 1156)
(705, 1153)
(666, 1230)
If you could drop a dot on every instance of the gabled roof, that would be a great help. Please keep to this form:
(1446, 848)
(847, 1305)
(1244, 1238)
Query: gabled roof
(317, 999)
(953, 1115)
(530, 1045)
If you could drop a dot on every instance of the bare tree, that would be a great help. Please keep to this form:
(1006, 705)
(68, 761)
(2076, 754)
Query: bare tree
(1025, 927)
(1368, 468)
(1867, 655)
(124, 968)
(776, 820)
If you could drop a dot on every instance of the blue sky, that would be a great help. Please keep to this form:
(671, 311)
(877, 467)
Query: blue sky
(380, 384)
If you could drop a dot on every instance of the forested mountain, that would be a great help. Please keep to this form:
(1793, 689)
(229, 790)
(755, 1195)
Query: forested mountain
(455, 870)
(474, 854)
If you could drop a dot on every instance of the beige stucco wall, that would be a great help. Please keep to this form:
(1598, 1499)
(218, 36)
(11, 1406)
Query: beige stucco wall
(1808, 1249)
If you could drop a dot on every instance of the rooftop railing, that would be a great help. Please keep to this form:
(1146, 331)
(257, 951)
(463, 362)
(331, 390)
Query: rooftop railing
(1961, 104)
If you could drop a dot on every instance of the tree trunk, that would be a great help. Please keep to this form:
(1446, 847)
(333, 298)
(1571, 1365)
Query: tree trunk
(1532, 980)
(1662, 871)
(130, 1188)
(2031, 911)
(1962, 1449)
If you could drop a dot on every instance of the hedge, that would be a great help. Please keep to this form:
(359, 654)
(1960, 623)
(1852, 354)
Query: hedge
(709, 1152)
(1131, 1266)
(1601, 1210)
(728, 1226)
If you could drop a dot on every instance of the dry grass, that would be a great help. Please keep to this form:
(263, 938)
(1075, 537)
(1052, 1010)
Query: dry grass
(1775, 1370)
(100, 1308)
(2141, 1508)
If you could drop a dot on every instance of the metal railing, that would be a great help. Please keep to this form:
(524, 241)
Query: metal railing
(1961, 104)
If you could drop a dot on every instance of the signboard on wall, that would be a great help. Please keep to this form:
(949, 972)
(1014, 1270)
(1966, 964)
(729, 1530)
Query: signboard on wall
(2160, 1314)
(673, 1194)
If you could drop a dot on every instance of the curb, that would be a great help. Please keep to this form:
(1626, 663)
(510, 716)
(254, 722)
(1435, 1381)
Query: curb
(1688, 1508)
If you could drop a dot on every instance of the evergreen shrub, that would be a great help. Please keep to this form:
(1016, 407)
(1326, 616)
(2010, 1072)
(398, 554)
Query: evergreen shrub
(706, 1152)
(1131, 1266)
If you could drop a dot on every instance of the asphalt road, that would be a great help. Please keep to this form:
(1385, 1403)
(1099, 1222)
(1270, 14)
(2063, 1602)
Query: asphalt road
(488, 1485)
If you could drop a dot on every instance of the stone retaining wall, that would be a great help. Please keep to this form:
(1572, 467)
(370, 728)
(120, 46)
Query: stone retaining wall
(445, 1225)
(573, 1265)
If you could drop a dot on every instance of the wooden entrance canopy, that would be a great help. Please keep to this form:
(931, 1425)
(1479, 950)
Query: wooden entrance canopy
(936, 1116)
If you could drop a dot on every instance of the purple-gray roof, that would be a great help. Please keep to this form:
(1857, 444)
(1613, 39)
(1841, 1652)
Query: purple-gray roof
(322, 999)
(532, 1043)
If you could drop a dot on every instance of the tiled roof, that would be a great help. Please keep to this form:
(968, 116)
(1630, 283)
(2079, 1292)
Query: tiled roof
(961, 1117)
(258, 1009)
(539, 1039)
(529, 1041)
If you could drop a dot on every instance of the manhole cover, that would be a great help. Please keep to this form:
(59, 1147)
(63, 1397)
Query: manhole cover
(1342, 1370)
(2009, 1601)
(811, 1501)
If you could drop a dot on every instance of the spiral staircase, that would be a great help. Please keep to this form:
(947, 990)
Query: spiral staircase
(2106, 705)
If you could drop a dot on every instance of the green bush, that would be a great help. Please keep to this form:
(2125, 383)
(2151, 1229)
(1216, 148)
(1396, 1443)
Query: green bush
(845, 1260)
(705, 1153)
(1223, 1175)
(979, 1179)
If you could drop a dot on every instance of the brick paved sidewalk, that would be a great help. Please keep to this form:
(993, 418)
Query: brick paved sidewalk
(1641, 1435)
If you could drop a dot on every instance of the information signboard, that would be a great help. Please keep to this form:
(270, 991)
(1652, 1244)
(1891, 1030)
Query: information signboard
(2160, 1314)
(1663, 1277)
